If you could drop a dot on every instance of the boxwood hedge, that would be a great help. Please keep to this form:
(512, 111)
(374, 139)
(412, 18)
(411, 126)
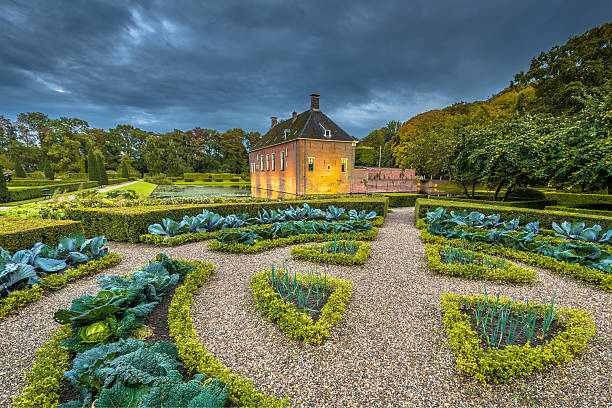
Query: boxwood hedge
(527, 214)
(297, 324)
(313, 253)
(129, 223)
(574, 199)
(509, 273)
(402, 199)
(193, 353)
(503, 365)
(22, 233)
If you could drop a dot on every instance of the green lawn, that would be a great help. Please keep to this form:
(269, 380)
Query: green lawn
(142, 188)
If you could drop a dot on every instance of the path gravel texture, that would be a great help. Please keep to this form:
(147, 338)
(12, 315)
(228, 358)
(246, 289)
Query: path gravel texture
(391, 348)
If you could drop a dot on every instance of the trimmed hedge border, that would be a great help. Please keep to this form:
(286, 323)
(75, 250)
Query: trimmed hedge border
(534, 204)
(575, 210)
(510, 273)
(28, 193)
(45, 377)
(601, 279)
(193, 353)
(160, 240)
(127, 224)
(501, 366)
(267, 244)
(54, 282)
(527, 214)
(313, 253)
(22, 233)
(402, 199)
(573, 199)
(294, 323)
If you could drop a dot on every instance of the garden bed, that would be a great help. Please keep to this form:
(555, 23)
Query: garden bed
(321, 253)
(476, 268)
(574, 329)
(297, 323)
(264, 245)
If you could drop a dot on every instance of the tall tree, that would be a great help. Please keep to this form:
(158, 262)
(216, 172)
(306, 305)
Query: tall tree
(47, 169)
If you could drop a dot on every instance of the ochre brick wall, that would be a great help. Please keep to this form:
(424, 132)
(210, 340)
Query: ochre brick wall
(326, 178)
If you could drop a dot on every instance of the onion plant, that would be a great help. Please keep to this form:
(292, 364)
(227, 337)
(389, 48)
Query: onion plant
(459, 255)
(500, 323)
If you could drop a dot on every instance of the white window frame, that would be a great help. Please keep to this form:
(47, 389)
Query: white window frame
(313, 164)
(273, 162)
(267, 162)
(282, 160)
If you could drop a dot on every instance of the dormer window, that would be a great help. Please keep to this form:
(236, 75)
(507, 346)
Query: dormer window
(328, 133)
(287, 131)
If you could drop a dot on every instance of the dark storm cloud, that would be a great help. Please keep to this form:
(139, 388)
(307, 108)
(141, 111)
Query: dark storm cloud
(222, 64)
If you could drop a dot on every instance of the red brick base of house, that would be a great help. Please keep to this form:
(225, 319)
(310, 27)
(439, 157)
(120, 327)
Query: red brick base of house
(383, 180)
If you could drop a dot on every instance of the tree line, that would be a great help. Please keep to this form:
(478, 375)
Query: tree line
(34, 141)
(551, 125)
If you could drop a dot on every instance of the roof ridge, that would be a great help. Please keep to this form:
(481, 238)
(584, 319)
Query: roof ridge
(305, 124)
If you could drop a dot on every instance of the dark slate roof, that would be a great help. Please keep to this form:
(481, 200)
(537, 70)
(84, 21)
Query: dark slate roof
(310, 124)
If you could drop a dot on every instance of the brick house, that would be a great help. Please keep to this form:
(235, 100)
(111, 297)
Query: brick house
(310, 154)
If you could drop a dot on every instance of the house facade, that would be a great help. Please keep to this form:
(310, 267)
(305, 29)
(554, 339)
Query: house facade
(310, 154)
(305, 154)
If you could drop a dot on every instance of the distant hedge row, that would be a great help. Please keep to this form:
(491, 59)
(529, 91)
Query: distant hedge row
(128, 223)
(545, 217)
(29, 193)
(576, 199)
(23, 233)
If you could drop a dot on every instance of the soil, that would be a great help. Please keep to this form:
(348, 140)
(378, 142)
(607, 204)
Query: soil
(158, 323)
(537, 339)
(313, 309)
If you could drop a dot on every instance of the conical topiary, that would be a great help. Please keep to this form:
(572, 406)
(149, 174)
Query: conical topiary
(48, 170)
(92, 166)
(19, 171)
(102, 176)
(124, 172)
(4, 192)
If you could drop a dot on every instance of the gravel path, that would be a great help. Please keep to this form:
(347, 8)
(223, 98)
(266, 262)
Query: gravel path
(391, 348)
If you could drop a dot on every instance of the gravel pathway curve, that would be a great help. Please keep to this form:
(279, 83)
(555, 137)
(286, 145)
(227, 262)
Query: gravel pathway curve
(391, 349)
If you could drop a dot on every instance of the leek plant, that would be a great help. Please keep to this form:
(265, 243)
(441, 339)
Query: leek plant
(498, 322)
(348, 246)
(298, 290)
(459, 255)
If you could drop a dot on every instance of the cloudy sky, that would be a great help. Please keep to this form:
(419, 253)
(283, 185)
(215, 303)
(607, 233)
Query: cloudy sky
(221, 64)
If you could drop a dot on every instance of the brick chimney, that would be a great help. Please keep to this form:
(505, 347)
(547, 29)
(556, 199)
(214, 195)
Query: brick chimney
(294, 117)
(314, 102)
(274, 121)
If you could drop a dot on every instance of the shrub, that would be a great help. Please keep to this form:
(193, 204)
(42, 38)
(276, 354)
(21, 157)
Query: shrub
(102, 175)
(4, 192)
(92, 166)
(129, 223)
(507, 213)
(56, 188)
(507, 273)
(45, 377)
(402, 199)
(19, 171)
(535, 204)
(124, 171)
(576, 210)
(600, 278)
(316, 253)
(23, 233)
(503, 365)
(193, 353)
(267, 244)
(293, 322)
(189, 180)
(575, 199)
